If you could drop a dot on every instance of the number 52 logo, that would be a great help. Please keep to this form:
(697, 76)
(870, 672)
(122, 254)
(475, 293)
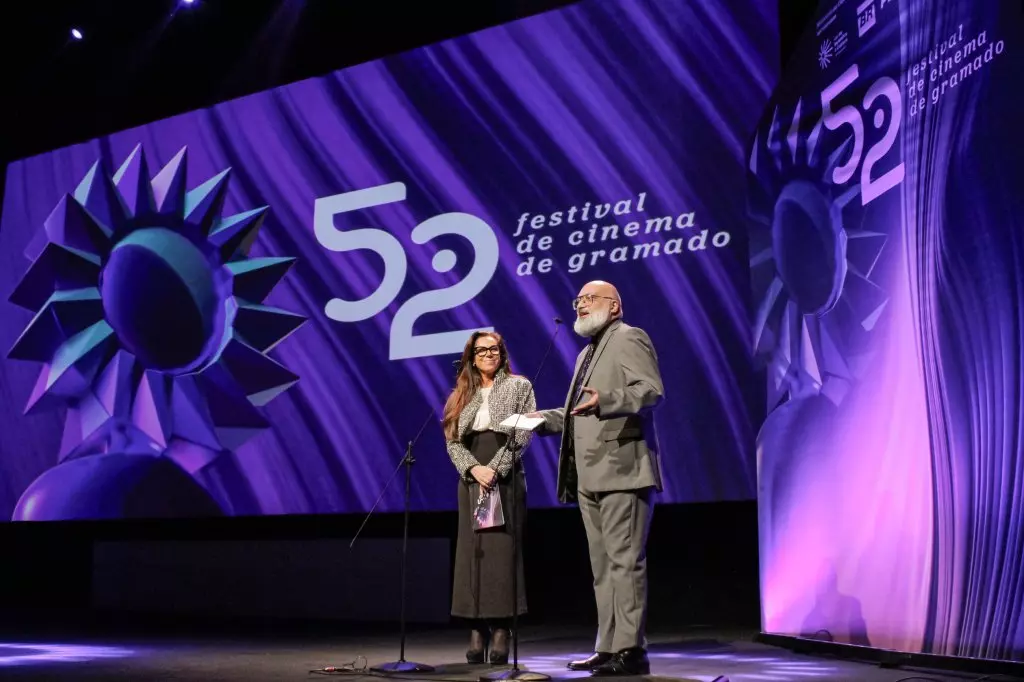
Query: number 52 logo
(404, 343)
(886, 88)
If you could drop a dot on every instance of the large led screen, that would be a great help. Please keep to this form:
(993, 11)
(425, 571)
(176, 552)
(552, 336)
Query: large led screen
(887, 204)
(251, 309)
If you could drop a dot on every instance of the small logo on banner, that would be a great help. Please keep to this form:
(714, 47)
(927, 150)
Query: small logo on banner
(865, 17)
(831, 48)
(825, 54)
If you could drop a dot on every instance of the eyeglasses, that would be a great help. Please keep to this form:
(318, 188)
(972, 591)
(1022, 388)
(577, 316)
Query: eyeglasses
(588, 299)
(480, 352)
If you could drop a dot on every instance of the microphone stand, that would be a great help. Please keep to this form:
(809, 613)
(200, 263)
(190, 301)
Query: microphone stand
(401, 665)
(515, 672)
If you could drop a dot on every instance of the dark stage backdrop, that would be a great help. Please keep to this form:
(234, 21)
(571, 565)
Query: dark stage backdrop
(190, 368)
(888, 203)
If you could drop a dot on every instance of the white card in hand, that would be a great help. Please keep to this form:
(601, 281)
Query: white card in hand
(521, 422)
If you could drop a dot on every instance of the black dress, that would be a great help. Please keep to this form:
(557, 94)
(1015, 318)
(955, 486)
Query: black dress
(483, 559)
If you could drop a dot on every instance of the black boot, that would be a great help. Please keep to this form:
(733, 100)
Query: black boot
(500, 638)
(477, 652)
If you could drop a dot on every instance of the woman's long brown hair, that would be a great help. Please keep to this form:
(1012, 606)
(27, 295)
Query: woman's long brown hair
(468, 382)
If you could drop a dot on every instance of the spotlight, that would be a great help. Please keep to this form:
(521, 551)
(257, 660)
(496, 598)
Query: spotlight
(76, 34)
(188, 2)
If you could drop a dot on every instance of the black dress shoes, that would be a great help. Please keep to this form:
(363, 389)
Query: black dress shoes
(591, 662)
(626, 662)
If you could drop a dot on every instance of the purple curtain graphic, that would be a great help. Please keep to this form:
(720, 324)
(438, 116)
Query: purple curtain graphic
(471, 184)
(887, 203)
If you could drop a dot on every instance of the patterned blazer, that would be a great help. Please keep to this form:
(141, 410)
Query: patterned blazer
(508, 394)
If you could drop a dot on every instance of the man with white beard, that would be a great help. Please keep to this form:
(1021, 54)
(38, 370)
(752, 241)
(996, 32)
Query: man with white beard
(608, 463)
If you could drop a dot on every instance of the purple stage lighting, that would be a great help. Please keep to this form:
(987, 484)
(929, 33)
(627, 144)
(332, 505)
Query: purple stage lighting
(76, 34)
(19, 654)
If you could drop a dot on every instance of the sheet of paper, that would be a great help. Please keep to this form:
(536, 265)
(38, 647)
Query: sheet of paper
(524, 423)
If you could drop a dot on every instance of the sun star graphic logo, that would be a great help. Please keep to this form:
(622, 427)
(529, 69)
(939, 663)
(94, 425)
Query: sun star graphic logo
(148, 316)
(811, 263)
(825, 54)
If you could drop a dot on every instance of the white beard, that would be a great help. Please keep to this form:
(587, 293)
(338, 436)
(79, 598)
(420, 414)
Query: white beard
(592, 323)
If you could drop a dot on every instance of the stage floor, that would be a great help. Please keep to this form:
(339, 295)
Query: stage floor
(694, 654)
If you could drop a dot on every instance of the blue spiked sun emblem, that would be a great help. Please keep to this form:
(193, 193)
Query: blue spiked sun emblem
(149, 322)
(812, 265)
(815, 274)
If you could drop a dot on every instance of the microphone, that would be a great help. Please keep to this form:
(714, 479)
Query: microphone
(526, 398)
(510, 443)
(457, 364)
(406, 461)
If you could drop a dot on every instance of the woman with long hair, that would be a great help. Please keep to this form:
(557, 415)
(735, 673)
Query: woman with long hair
(486, 393)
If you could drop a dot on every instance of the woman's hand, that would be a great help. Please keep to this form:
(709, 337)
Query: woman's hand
(485, 476)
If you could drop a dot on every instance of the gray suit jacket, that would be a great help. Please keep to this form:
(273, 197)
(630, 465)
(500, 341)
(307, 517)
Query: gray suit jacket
(616, 449)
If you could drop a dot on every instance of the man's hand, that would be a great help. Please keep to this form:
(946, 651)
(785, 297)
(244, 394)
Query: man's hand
(589, 406)
(534, 415)
(485, 476)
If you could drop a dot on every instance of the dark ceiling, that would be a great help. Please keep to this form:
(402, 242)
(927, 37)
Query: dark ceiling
(142, 60)
(146, 59)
